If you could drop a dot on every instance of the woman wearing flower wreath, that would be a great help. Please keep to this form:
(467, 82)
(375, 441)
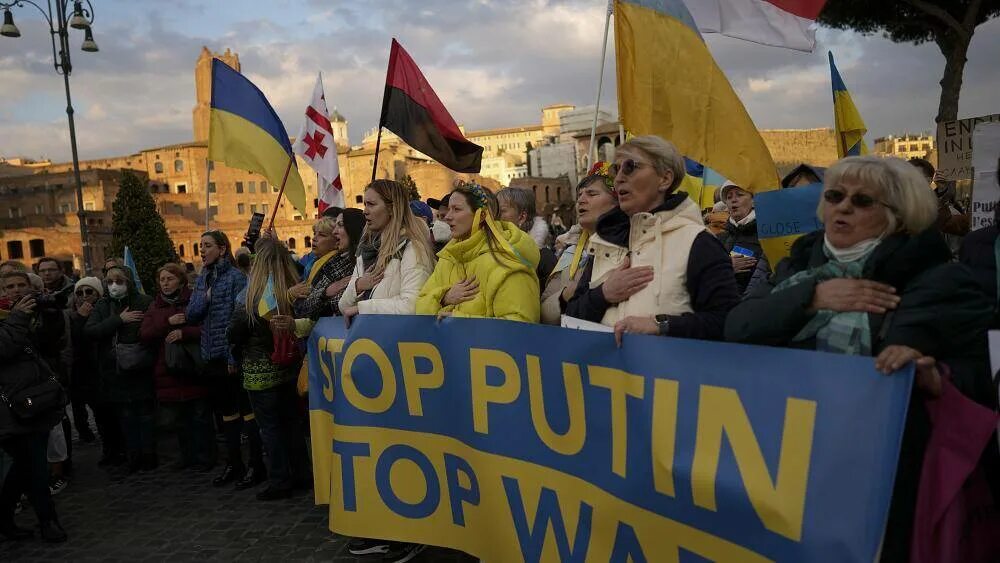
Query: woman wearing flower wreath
(488, 268)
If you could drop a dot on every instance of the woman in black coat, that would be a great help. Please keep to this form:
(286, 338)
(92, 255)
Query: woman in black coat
(878, 281)
(128, 390)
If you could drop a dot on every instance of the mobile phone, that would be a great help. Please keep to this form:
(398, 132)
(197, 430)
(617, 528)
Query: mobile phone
(742, 251)
(253, 232)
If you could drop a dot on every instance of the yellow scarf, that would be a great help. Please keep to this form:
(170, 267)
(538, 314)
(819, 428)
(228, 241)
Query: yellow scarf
(318, 265)
(581, 245)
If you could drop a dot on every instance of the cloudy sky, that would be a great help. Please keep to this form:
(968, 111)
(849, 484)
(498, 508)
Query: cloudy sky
(493, 63)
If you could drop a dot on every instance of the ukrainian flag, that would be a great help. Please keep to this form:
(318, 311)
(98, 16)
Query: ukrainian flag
(130, 264)
(268, 304)
(669, 85)
(850, 127)
(246, 133)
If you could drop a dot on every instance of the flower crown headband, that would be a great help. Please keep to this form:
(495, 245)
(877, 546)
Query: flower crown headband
(477, 192)
(602, 170)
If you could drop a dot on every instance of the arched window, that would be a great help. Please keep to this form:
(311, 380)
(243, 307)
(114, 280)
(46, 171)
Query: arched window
(180, 251)
(178, 165)
(195, 247)
(559, 193)
(547, 195)
(158, 167)
(291, 244)
(308, 242)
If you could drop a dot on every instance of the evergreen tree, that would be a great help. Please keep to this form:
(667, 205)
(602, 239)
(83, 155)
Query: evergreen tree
(411, 187)
(137, 224)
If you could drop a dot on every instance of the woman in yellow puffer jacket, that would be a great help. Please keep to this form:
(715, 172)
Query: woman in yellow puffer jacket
(488, 268)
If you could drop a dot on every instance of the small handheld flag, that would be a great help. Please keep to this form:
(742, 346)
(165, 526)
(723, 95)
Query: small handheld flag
(130, 264)
(268, 304)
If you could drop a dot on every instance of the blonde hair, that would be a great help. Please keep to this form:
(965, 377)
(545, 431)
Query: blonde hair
(403, 224)
(663, 154)
(909, 205)
(272, 259)
(325, 225)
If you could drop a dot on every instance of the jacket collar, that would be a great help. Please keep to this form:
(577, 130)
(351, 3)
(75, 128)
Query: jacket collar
(615, 226)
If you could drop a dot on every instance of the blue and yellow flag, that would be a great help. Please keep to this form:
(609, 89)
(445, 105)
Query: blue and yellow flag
(246, 133)
(268, 304)
(669, 85)
(130, 264)
(850, 127)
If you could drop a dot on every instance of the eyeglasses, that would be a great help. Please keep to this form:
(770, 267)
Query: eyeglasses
(628, 166)
(84, 292)
(861, 201)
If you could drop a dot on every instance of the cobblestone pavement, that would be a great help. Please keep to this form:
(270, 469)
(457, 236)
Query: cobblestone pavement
(165, 515)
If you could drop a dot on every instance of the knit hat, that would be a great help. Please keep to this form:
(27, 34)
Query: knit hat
(422, 210)
(35, 281)
(92, 283)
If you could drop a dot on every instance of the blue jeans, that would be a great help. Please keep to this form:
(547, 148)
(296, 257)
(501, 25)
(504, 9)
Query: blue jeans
(278, 419)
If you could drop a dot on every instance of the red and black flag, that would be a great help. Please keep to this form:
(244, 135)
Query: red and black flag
(412, 110)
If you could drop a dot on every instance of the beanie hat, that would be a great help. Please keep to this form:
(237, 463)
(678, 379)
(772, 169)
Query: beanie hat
(422, 210)
(92, 283)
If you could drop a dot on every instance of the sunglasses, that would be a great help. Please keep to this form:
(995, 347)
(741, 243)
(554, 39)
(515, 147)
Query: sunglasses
(628, 166)
(861, 201)
(84, 292)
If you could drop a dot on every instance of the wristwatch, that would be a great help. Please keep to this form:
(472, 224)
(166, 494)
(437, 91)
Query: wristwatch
(662, 324)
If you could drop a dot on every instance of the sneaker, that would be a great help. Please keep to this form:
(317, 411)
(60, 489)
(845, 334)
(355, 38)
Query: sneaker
(365, 546)
(402, 552)
(57, 485)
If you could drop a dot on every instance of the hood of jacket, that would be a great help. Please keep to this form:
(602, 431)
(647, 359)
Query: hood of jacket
(616, 227)
(468, 250)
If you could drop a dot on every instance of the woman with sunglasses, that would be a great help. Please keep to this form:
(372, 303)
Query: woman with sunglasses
(596, 196)
(656, 269)
(878, 281)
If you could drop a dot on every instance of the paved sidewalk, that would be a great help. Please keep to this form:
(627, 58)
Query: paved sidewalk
(178, 516)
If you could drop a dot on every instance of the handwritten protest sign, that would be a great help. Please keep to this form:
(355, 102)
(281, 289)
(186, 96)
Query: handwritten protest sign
(985, 190)
(785, 215)
(955, 145)
(515, 442)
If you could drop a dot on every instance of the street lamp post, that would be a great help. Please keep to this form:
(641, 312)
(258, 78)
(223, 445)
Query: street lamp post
(59, 21)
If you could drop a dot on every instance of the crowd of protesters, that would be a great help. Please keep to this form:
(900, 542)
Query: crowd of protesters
(881, 280)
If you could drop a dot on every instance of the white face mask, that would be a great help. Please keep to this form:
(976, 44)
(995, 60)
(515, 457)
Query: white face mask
(851, 253)
(117, 290)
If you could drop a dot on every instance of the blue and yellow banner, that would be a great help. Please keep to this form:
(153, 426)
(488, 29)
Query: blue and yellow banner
(519, 442)
(785, 215)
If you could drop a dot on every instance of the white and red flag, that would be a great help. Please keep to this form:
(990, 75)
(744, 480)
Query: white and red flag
(316, 145)
(782, 23)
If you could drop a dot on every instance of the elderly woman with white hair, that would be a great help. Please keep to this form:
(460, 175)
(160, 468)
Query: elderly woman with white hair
(656, 269)
(878, 281)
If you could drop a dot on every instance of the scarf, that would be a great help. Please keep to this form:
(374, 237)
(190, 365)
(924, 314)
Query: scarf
(842, 333)
(318, 265)
(368, 250)
(574, 257)
(751, 217)
(172, 298)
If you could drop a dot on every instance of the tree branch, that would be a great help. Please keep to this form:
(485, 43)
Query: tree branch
(944, 16)
(972, 14)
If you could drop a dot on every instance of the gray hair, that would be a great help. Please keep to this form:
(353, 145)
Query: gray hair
(663, 154)
(522, 200)
(910, 206)
(325, 224)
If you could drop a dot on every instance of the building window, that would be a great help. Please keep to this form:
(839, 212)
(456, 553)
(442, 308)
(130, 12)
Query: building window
(547, 194)
(14, 212)
(37, 247)
(65, 208)
(914, 147)
(182, 188)
(195, 247)
(291, 244)
(927, 147)
(180, 251)
(213, 210)
(178, 165)
(158, 167)
(263, 208)
(88, 206)
(308, 242)
(252, 187)
(253, 208)
(263, 187)
(239, 187)
(211, 187)
(15, 250)
(297, 216)
(358, 199)
(39, 209)
(241, 209)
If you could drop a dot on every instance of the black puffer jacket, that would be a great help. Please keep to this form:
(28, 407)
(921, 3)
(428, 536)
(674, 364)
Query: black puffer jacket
(943, 313)
(744, 236)
(21, 368)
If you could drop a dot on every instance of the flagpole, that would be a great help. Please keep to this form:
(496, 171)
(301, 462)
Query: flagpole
(378, 141)
(591, 156)
(277, 201)
(208, 177)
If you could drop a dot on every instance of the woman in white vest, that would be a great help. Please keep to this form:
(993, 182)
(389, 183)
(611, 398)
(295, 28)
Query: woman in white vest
(655, 269)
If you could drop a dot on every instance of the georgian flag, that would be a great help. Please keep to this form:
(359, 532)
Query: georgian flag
(315, 144)
(781, 23)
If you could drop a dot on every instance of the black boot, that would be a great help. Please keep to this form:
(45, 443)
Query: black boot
(229, 474)
(52, 532)
(253, 477)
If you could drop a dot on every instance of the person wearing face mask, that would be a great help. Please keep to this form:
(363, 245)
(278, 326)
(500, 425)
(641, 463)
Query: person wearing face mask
(596, 196)
(212, 303)
(739, 236)
(182, 397)
(878, 281)
(125, 366)
(656, 268)
(84, 378)
(488, 268)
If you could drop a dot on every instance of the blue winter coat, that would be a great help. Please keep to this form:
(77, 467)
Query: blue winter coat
(226, 282)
